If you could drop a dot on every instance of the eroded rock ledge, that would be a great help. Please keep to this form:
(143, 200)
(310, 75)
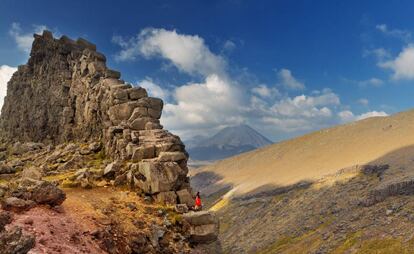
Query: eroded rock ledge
(66, 93)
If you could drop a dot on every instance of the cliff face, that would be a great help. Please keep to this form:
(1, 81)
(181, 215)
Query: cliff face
(49, 99)
(65, 93)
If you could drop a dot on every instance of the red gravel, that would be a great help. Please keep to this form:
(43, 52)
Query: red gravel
(57, 232)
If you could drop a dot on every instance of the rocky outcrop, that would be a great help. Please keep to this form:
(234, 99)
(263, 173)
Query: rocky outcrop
(405, 187)
(13, 240)
(30, 192)
(77, 124)
(66, 93)
(204, 226)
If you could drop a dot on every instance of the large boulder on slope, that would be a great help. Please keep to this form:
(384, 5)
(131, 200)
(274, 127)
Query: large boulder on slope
(204, 226)
(40, 192)
(159, 176)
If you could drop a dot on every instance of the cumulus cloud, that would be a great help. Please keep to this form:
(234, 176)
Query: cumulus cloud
(288, 81)
(371, 114)
(204, 105)
(24, 40)
(219, 99)
(263, 90)
(153, 89)
(348, 116)
(303, 112)
(306, 106)
(6, 73)
(187, 52)
(403, 65)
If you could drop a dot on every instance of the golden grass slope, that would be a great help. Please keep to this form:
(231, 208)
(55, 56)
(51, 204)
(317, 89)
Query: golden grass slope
(317, 154)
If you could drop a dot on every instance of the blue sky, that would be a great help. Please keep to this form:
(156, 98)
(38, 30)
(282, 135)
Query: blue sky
(284, 67)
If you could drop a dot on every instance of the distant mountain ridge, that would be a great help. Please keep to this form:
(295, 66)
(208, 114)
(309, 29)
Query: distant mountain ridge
(228, 142)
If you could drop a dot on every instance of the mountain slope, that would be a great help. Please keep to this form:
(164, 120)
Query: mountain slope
(312, 156)
(347, 189)
(227, 142)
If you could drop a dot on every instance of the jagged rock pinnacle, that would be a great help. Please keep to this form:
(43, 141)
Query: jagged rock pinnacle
(66, 93)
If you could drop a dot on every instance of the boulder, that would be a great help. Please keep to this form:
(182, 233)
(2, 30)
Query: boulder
(120, 112)
(204, 226)
(158, 177)
(13, 241)
(112, 74)
(139, 123)
(16, 204)
(138, 113)
(167, 197)
(112, 168)
(153, 103)
(136, 93)
(184, 197)
(142, 152)
(47, 193)
(154, 113)
(201, 218)
(120, 94)
(153, 126)
(172, 156)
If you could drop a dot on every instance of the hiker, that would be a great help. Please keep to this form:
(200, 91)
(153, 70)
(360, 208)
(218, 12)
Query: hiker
(198, 205)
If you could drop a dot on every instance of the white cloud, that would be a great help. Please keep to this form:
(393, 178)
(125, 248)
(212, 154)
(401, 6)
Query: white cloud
(348, 116)
(306, 106)
(220, 99)
(187, 52)
(153, 89)
(204, 105)
(397, 33)
(24, 40)
(376, 82)
(6, 73)
(288, 81)
(403, 65)
(372, 114)
(264, 91)
(363, 101)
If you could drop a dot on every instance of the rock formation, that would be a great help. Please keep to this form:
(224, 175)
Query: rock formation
(69, 122)
(65, 93)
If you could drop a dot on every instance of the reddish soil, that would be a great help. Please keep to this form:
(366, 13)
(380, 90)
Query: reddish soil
(80, 224)
(57, 232)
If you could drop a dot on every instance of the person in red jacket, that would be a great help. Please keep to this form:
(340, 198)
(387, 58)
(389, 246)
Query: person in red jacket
(198, 205)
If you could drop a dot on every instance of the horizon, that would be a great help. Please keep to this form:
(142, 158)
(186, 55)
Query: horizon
(256, 63)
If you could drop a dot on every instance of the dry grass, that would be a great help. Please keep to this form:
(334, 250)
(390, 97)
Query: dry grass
(317, 154)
